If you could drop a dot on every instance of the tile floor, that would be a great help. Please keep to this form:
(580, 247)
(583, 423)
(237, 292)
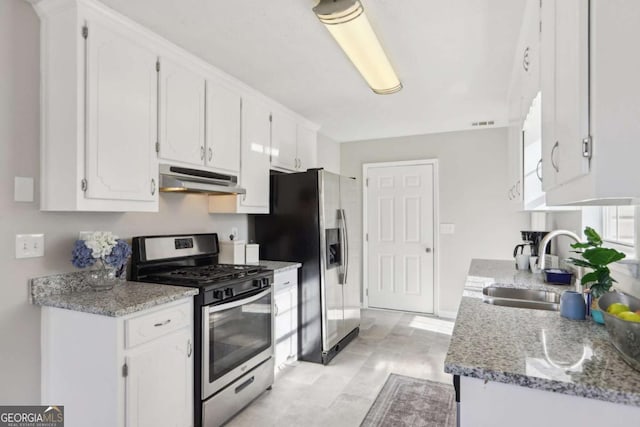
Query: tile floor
(340, 394)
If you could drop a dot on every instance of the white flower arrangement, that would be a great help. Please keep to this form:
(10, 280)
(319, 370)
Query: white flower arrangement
(101, 243)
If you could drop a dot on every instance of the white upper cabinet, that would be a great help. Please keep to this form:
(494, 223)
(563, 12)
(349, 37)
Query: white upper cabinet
(590, 101)
(117, 100)
(293, 143)
(254, 175)
(98, 113)
(121, 118)
(223, 128)
(254, 157)
(565, 74)
(284, 141)
(182, 114)
(307, 147)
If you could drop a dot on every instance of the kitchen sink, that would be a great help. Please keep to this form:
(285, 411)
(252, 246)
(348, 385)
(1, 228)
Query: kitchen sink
(521, 298)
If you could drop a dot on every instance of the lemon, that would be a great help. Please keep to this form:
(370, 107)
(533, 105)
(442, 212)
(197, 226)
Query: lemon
(629, 316)
(617, 307)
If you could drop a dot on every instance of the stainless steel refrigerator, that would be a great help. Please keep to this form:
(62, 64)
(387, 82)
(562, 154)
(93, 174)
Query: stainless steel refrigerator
(314, 220)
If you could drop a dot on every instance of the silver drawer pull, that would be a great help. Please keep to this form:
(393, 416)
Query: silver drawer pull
(287, 283)
(166, 322)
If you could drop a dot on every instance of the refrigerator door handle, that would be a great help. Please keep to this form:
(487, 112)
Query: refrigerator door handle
(345, 246)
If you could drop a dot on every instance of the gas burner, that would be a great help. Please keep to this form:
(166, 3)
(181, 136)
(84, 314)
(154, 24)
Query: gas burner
(207, 274)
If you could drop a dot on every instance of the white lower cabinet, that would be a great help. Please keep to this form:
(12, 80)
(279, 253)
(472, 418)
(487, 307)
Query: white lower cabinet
(286, 317)
(132, 371)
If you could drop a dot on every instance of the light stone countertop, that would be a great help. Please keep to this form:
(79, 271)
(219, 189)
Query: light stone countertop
(279, 266)
(71, 292)
(534, 348)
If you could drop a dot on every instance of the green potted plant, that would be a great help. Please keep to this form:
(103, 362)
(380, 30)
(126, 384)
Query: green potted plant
(596, 258)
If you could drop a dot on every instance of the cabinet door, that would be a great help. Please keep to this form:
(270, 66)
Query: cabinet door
(572, 87)
(121, 109)
(283, 326)
(223, 128)
(159, 384)
(307, 145)
(293, 355)
(182, 106)
(283, 141)
(254, 173)
(548, 89)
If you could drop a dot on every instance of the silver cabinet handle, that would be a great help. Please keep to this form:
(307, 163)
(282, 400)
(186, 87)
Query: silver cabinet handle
(153, 187)
(525, 59)
(210, 153)
(275, 309)
(427, 250)
(166, 322)
(539, 170)
(518, 184)
(202, 152)
(189, 349)
(553, 151)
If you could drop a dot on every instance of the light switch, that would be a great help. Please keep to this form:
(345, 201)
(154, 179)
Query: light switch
(23, 189)
(29, 245)
(447, 228)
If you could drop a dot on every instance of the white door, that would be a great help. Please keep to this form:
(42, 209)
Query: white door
(283, 141)
(254, 173)
(182, 105)
(400, 222)
(121, 116)
(307, 145)
(155, 395)
(223, 128)
(572, 87)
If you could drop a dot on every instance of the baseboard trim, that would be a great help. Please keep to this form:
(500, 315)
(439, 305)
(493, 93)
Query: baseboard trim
(448, 314)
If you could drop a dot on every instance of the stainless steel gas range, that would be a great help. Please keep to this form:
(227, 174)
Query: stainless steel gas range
(233, 319)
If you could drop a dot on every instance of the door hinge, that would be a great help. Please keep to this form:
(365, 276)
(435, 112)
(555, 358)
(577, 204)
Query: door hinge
(366, 237)
(586, 147)
(83, 184)
(85, 32)
(271, 118)
(366, 182)
(158, 65)
(125, 370)
(367, 292)
(157, 147)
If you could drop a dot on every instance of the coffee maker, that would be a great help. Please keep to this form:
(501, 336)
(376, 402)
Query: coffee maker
(532, 240)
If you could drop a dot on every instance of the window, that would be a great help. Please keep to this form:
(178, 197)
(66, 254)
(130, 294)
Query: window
(619, 225)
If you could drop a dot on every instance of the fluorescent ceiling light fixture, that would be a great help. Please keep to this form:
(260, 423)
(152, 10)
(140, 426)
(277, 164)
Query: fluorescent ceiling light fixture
(349, 26)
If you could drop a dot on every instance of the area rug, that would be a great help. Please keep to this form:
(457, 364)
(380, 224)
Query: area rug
(406, 401)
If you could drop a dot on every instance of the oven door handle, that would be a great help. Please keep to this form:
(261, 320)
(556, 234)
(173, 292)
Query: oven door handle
(238, 303)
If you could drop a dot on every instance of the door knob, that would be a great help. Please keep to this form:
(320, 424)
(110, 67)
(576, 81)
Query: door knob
(428, 250)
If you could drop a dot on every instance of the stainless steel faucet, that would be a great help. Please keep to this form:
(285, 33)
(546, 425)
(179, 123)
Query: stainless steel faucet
(543, 248)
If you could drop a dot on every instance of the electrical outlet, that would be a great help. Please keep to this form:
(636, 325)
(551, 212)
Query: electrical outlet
(234, 232)
(446, 228)
(29, 245)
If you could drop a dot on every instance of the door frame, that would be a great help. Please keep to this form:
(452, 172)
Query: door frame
(436, 229)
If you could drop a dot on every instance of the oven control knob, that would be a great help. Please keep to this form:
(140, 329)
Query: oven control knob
(218, 294)
(257, 283)
(265, 282)
(228, 292)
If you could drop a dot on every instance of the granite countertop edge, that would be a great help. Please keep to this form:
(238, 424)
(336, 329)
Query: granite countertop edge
(71, 291)
(279, 266)
(537, 383)
(60, 301)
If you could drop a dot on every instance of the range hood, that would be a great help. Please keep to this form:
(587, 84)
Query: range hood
(187, 180)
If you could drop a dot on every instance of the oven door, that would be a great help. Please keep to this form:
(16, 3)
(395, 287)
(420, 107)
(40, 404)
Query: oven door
(236, 336)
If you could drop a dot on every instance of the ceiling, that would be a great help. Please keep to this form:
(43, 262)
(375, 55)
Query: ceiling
(453, 57)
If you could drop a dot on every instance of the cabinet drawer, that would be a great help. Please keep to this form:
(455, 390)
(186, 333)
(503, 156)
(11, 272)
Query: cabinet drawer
(150, 326)
(284, 280)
